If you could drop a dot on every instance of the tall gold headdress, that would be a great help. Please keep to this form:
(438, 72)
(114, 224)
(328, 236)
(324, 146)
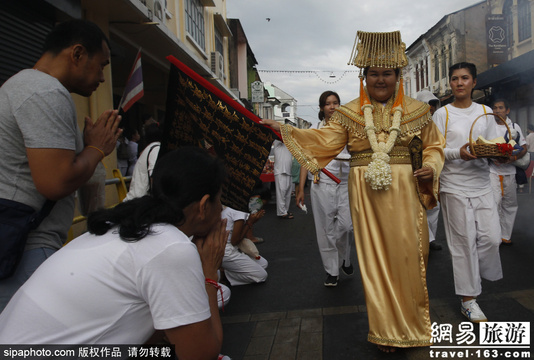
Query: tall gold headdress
(384, 49)
(379, 49)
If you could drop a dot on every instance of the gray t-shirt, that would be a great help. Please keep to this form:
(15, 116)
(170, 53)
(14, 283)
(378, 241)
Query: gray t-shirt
(36, 111)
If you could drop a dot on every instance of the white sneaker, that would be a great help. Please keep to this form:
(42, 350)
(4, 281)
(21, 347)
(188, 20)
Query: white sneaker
(472, 311)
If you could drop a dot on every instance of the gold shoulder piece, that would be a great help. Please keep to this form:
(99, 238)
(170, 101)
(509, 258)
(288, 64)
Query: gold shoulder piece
(416, 117)
(350, 119)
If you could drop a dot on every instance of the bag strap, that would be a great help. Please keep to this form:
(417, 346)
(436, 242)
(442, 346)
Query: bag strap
(147, 160)
(446, 124)
(40, 215)
(518, 137)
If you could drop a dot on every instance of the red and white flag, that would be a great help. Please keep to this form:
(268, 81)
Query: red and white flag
(134, 86)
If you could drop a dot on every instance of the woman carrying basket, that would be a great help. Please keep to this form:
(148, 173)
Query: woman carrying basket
(469, 210)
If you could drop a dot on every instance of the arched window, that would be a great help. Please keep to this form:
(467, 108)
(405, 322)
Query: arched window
(451, 60)
(436, 67)
(422, 69)
(444, 63)
(524, 30)
(427, 79)
(417, 78)
(509, 18)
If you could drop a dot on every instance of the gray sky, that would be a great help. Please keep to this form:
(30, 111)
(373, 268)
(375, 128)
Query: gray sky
(318, 35)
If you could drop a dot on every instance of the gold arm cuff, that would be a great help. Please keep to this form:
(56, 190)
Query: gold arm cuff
(296, 150)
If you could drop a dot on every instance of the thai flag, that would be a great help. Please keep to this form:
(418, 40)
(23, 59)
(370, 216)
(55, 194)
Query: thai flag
(134, 86)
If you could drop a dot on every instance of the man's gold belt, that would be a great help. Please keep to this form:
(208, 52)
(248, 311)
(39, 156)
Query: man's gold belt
(398, 155)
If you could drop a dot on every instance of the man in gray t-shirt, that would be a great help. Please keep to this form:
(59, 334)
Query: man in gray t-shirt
(44, 155)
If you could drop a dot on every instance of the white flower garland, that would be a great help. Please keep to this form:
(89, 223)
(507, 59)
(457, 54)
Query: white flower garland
(378, 173)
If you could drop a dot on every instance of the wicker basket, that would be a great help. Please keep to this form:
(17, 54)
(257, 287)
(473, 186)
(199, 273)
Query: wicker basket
(487, 150)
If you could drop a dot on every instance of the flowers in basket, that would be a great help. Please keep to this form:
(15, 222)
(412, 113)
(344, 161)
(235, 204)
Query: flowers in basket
(504, 148)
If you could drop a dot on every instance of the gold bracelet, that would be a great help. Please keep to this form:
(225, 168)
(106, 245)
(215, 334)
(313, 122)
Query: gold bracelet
(99, 150)
(94, 147)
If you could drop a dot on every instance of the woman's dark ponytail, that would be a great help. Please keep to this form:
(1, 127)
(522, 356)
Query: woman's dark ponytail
(180, 178)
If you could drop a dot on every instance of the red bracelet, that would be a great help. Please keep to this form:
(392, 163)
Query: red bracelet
(216, 285)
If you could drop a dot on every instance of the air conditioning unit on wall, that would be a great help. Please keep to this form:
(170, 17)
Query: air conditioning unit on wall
(217, 65)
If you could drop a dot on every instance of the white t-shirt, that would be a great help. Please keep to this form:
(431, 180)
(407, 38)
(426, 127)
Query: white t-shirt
(469, 178)
(506, 169)
(231, 216)
(283, 160)
(103, 290)
(530, 142)
(139, 185)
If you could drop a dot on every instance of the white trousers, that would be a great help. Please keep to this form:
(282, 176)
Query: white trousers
(473, 235)
(282, 184)
(432, 216)
(240, 269)
(223, 299)
(333, 224)
(505, 193)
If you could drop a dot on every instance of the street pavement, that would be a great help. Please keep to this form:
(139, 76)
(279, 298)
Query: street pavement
(294, 316)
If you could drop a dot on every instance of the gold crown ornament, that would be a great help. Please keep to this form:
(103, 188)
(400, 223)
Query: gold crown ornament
(378, 49)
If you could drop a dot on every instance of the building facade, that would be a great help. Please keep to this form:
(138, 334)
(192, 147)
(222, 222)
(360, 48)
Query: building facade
(495, 35)
(457, 37)
(513, 79)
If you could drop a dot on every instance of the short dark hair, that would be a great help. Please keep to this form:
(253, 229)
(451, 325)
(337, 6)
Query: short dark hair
(181, 177)
(433, 102)
(264, 192)
(322, 101)
(464, 65)
(73, 32)
(153, 133)
(504, 101)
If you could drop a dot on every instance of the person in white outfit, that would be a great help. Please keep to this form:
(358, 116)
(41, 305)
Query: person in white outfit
(283, 161)
(432, 215)
(502, 175)
(469, 211)
(136, 270)
(330, 204)
(142, 173)
(239, 268)
(530, 139)
(141, 186)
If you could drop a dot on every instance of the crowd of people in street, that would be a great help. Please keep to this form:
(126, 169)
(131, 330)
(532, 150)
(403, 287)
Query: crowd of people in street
(165, 259)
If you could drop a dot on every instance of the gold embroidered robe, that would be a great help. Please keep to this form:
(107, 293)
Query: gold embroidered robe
(390, 226)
